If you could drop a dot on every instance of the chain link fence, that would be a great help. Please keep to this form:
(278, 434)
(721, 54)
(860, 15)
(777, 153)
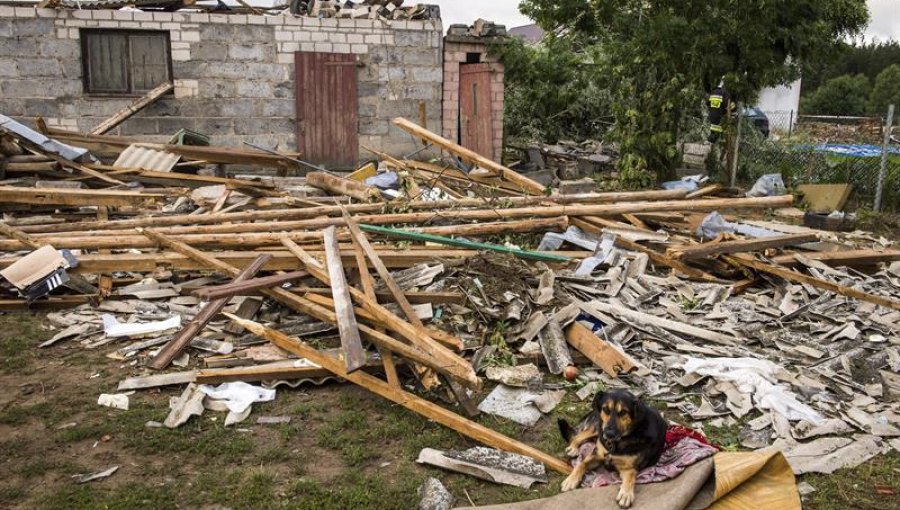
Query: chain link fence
(820, 150)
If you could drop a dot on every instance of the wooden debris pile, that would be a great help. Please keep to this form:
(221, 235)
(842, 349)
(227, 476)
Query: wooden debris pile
(410, 274)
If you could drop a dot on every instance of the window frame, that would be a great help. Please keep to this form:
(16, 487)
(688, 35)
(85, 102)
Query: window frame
(129, 67)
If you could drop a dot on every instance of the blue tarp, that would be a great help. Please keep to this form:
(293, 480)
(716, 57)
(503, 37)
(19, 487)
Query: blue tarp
(853, 150)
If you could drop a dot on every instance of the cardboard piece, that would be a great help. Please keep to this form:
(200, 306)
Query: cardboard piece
(825, 198)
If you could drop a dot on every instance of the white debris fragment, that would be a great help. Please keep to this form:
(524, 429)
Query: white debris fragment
(115, 400)
(116, 329)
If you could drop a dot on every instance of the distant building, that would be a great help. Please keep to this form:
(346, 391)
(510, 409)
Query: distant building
(782, 105)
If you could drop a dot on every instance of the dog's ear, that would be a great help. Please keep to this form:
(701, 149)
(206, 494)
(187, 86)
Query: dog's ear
(638, 410)
(565, 430)
(598, 400)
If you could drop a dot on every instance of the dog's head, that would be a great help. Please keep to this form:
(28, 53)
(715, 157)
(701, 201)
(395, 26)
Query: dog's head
(619, 412)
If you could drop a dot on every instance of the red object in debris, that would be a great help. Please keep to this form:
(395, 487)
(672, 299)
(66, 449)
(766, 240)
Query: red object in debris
(571, 373)
(885, 490)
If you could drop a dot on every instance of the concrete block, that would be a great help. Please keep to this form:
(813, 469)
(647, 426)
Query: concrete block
(79, 14)
(216, 32)
(255, 89)
(285, 58)
(7, 12)
(5, 28)
(373, 126)
(108, 24)
(356, 38)
(209, 51)
(100, 14)
(254, 126)
(219, 18)
(410, 38)
(427, 74)
(324, 47)
(240, 108)
(289, 47)
(8, 68)
(162, 16)
(318, 36)
(421, 57)
(256, 20)
(374, 39)
(302, 36)
(275, 20)
(140, 16)
(34, 67)
(181, 55)
(341, 48)
(237, 19)
(359, 49)
(252, 34)
(181, 45)
(281, 35)
(198, 18)
(421, 92)
(252, 52)
(151, 25)
(15, 107)
(308, 46)
(32, 27)
(279, 108)
(139, 126)
(62, 49)
(190, 36)
(215, 126)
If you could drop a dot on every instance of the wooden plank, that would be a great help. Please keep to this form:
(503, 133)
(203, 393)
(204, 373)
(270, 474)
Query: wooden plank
(851, 258)
(248, 310)
(76, 197)
(464, 375)
(740, 246)
(527, 185)
(351, 344)
(138, 105)
(602, 354)
(412, 402)
(702, 192)
(341, 186)
(794, 276)
(248, 286)
(368, 285)
(621, 312)
(209, 311)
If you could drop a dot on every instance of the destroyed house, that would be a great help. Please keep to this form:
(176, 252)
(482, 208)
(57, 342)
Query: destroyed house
(327, 87)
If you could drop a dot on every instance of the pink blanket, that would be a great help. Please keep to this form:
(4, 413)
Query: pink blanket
(684, 447)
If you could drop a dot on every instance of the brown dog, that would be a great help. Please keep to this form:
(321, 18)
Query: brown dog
(630, 436)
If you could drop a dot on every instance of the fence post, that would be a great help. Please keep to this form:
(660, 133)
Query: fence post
(733, 162)
(882, 174)
(791, 125)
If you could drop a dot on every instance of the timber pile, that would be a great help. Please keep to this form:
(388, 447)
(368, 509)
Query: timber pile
(409, 274)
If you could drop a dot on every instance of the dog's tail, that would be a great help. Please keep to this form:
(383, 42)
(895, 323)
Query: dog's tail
(565, 430)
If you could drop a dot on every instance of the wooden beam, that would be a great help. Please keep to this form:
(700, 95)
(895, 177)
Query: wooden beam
(602, 354)
(341, 186)
(412, 402)
(138, 105)
(351, 345)
(850, 258)
(529, 186)
(75, 197)
(712, 249)
(794, 276)
(267, 372)
(248, 286)
(373, 209)
(209, 311)
(702, 192)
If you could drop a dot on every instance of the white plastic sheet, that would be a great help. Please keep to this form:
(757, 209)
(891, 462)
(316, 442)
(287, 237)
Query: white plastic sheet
(755, 377)
(115, 329)
(238, 396)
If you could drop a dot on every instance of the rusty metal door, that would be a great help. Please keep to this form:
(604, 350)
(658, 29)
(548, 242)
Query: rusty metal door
(476, 126)
(327, 117)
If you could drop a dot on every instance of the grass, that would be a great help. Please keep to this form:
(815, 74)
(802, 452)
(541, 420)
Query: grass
(344, 447)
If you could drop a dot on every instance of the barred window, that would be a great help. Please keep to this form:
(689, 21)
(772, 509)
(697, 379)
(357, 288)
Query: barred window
(125, 62)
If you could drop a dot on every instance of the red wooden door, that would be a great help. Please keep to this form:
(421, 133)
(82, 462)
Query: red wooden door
(327, 118)
(476, 126)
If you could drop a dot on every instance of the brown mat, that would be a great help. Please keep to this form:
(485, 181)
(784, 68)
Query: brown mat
(728, 481)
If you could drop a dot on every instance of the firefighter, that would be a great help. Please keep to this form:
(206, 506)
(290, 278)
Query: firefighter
(720, 107)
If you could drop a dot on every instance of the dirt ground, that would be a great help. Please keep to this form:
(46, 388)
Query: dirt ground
(344, 448)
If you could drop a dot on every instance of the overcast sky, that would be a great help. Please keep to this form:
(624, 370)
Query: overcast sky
(885, 14)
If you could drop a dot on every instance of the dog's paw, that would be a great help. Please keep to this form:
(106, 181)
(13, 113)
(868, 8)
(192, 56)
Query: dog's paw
(625, 498)
(570, 483)
(572, 451)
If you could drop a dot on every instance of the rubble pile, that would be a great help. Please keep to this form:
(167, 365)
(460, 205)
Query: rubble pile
(467, 279)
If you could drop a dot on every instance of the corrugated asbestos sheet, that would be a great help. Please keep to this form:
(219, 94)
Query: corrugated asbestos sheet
(144, 158)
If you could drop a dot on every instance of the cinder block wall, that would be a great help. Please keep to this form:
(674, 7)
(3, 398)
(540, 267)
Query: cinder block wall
(234, 74)
(456, 50)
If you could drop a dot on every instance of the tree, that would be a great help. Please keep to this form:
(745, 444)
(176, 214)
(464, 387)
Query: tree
(844, 95)
(664, 56)
(886, 91)
(869, 58)
(552, 92)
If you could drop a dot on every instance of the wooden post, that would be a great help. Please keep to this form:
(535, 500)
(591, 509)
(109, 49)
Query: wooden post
(354, 354)
(125, 113)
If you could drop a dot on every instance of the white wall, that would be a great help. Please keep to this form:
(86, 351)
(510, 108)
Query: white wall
(778, 103)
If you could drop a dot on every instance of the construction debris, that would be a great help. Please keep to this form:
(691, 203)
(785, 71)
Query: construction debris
(449, 275)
